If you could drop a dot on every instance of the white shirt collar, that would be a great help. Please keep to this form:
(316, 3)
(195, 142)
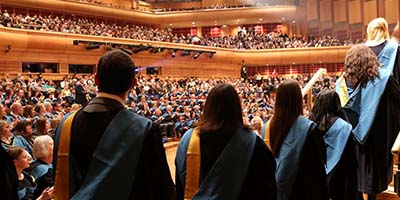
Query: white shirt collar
(112, 96)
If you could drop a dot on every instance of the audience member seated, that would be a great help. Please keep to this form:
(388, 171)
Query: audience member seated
(42, 169)
(6, 136)
(42, 127)
(26, 185)
(23, 137)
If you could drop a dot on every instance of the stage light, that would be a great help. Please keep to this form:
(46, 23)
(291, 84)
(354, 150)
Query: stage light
(173, 51)
(185, 53)
(108, 48)
(92, 46)
(197, 55)
(211, 54)
(141, 48)
(129, 52)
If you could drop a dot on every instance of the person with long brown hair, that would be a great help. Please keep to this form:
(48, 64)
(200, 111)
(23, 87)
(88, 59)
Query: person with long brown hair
(372, 73)
(42, 127)
(221, 157)
(297, 146)
(29, 112)
(340, 166)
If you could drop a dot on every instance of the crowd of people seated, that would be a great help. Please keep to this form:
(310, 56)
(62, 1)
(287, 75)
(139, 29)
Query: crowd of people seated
(212, 7)
(100, 2)
(173, 104)
(245, 39)
(220, 7)
(32, 107)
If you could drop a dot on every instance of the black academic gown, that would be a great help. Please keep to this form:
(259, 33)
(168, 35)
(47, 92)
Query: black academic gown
(153, 179)
(311, 181)
(80, 94)
(342, 180)
(374, 157)
(260, 179)
(43, 182)
(8, 176)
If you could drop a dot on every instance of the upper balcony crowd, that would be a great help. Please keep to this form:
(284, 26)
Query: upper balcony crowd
(245, 39)
(206, 8)
(218, 7)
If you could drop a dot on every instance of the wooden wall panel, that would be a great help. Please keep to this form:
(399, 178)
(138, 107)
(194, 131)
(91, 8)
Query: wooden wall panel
(392, 9)
(10, 66)
(356, 31)
(339, 9)
(326, 25)
(325, 13)
(312, 10)
(370, 11)
(354, 12)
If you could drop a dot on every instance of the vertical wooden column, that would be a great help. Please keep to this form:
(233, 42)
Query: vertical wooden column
(381, 8)
(347, 19)
(362, 19)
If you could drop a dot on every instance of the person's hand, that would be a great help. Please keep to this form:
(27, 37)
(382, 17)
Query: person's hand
(46, 194)
(15, 122)
(60, 116)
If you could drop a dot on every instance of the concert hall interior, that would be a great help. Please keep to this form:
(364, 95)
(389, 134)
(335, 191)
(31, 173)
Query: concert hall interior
(56, 55)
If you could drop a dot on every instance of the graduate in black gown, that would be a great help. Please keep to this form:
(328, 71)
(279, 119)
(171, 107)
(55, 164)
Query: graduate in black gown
(114, 153)
(298, 147)
(373, 107)
(341, 168)
(227, 170)
(376, 151)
